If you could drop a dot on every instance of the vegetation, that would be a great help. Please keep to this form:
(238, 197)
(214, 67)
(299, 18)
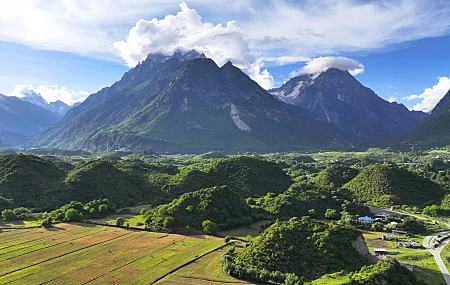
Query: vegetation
(218, 205)
(304, 249)
(386, 185)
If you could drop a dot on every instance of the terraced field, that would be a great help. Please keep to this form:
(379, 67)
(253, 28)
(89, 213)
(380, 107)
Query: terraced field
(89, 254)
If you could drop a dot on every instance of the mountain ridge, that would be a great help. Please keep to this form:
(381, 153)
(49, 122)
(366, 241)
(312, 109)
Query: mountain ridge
(335, 96)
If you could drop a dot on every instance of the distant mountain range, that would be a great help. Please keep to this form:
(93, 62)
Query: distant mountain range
(187, 103)
(58, 107)
(336, 97)
(19, 119)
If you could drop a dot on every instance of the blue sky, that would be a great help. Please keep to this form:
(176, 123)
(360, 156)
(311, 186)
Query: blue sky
(67, 50)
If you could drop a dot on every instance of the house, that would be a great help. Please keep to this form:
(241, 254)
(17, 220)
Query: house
(382, 251)
(365, 219)
(396, 207)
(399, 233)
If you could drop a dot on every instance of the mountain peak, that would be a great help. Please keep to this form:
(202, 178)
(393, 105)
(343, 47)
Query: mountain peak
(442, 106)
(180, 55)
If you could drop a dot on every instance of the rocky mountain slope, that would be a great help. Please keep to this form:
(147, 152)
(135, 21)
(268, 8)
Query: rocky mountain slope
(186, 103)
(58, 107)
(434, 132)
(336, 97)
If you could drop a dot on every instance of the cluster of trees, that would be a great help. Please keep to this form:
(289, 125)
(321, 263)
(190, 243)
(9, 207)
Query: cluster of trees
(247, 272)
(75, 211)
(208, 209)
(385, 185)
(305, 248)
(385, 271)
(20, 213)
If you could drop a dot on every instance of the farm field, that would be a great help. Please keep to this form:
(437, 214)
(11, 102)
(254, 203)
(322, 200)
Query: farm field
(89, 254)
(206, 270)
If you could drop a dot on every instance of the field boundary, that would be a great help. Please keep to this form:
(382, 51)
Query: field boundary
(190, 262)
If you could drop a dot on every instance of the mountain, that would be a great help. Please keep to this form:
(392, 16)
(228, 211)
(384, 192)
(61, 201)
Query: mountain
(336, 97)
(3, 144)
(434, 132)
(19, 118)
(188, 105)
(58, 107)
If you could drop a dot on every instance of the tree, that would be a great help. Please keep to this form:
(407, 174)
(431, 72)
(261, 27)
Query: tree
(21, 212)
(8, 215)
(168, 222)
(72, 215)
(331, 214)
(292, 279)
(306, 219)
(209, 227)
(47, 223)
(103, 209)
(119, 221)
(143, 211)
(432, 211)
(227, 239)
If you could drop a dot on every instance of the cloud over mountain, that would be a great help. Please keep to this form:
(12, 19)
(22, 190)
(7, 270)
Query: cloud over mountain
(186, 31)
(323, 63)
(51, 93)
(431, 96)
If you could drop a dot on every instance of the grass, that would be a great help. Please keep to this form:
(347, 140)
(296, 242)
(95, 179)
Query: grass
(130, 219)
(242, 233)
(80, 253)
(423, 262)
(206, 270)
(29, 223)
(444, 254)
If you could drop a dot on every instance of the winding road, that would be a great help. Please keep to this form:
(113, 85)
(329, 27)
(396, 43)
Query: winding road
(436, 252)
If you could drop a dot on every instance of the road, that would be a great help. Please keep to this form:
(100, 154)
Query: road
(436, 252)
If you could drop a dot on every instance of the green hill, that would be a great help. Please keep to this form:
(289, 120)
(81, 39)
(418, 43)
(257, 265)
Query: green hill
(218, 204)
(306, 250)
(335, 175)
(384, 185)
(247, 176)
(309, 199)
(29, 180)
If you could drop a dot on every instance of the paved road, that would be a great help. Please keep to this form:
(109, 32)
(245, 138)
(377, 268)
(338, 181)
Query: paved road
(436, 252)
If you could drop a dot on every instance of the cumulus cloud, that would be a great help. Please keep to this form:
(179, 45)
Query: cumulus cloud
(392, 99)
(430, 96)
(185, 31)
(320, 64)
(50, 93)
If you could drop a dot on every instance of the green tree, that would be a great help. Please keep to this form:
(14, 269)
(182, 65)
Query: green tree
(120, 221)
(331, 214)
(227, 239)
(103, 209)
(209, 227)
(432, 211)
(72, 215)
(8, 215)
(168, 222)
(47, 223)
(143, 211)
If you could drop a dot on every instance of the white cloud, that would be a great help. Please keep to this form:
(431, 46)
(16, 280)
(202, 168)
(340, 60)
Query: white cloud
(51, 93)
(430, 96)
(392, 99)
(185, 31)
(323, 63)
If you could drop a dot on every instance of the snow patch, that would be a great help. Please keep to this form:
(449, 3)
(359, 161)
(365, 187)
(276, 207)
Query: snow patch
(234, 115)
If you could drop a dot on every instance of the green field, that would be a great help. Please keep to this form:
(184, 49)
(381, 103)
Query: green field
(88, 254)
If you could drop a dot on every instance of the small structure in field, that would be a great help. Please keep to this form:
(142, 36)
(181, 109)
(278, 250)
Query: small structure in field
(381, 251)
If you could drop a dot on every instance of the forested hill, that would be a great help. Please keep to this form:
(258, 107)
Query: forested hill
(384, 185)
